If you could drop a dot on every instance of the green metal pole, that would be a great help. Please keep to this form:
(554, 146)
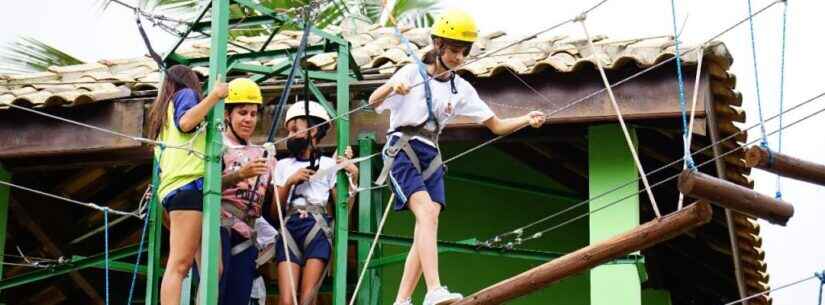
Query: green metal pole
(366, 223)
(61, 269)
(153, 271)
(610, 164)
(210, 242)
(5, 193)
(339, 290)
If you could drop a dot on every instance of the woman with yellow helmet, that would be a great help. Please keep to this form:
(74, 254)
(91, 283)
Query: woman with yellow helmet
(247, 172)
(412, 158)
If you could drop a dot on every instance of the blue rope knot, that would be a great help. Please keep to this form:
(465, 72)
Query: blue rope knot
(770, 156)
(778, 195)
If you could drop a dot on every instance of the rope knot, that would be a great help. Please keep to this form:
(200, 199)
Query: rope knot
(580, 18)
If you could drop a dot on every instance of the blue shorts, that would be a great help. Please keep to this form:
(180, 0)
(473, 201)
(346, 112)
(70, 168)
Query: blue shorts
(299, 229)
(406, 180)
(188, 197)
(239, 270)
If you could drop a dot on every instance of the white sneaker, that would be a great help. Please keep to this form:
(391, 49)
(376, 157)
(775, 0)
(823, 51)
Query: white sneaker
(441, 296)
(406, 301)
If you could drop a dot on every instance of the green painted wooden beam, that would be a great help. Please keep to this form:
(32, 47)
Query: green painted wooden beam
(115, 265)
(366, 221)
(512, 186)
(210, 241)
(285, 19)
(61, 269)
(155, 238)
(339, 290)
(610, 164)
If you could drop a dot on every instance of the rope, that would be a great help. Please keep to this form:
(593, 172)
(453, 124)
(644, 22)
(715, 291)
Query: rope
(148, 197)
(480, 57)
(816, 275)
(597, 92)
(782, 90)
(106, 253)
(85, 204)
(764, 142)
(665, 180)
(185, 146)
(286, 248)
(682, 102)
(372, 249)
(688, 157)
(627, 138)
(518, 231)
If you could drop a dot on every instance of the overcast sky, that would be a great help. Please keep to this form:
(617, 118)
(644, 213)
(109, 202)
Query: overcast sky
(792, 252)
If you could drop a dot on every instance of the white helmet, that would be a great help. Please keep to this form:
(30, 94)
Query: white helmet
(297, 110)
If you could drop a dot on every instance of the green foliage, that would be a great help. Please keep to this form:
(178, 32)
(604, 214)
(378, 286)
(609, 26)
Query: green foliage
(31, 55)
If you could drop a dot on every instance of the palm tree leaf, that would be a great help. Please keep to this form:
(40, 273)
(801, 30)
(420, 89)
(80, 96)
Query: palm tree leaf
(31, 55)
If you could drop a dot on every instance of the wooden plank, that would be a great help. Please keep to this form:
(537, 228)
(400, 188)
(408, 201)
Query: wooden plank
(50, 247)
(785, 165)
(28, 134)
(639, 238)
(735, 197)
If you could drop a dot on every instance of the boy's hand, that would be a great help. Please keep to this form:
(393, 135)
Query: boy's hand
(400, 88)
(536, 118)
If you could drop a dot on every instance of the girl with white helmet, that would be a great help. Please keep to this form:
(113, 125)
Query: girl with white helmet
(305, 199)
(411, 157)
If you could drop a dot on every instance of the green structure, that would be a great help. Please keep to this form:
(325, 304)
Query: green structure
(494, 190)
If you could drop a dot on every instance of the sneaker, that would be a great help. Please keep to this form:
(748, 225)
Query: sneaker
(407, 301)
(441, 296)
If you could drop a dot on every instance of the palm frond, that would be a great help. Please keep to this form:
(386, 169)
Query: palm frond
(31, 55)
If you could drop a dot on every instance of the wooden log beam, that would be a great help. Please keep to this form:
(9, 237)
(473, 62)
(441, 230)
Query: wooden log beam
(50, 247)
(28, 134)
(785, 166)
(735, 197)
(641, 237)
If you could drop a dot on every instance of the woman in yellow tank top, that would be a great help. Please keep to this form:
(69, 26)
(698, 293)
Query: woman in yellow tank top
(174, 119)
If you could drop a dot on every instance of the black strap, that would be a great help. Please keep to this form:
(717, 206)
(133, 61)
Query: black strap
(148, 44)
(276, 116)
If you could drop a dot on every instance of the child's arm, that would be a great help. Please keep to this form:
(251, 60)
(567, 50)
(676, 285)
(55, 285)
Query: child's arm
(506, 126)
(194, 116)
(382, 93)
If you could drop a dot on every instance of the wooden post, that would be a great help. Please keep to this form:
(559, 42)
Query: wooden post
(588, 257)
(734, 197)
(785, 166)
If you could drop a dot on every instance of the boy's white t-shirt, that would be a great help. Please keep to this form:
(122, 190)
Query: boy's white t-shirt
(411, 109)
(316, 191)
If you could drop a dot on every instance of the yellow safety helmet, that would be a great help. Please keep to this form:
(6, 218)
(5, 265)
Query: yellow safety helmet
(456, 25)
(244, 91)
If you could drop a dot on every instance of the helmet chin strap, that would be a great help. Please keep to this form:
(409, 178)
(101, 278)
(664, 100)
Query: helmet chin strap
(452, 74)
(232, 129)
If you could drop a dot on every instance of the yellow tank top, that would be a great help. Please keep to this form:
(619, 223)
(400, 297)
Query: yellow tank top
(178, 167)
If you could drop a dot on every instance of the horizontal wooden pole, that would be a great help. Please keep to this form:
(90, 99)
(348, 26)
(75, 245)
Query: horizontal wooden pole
(785, 166)
(639, 238)
(735, 197)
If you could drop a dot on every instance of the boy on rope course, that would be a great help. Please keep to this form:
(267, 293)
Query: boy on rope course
(305, 182)
(245, 183)
(174, 118)
(412, 159)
